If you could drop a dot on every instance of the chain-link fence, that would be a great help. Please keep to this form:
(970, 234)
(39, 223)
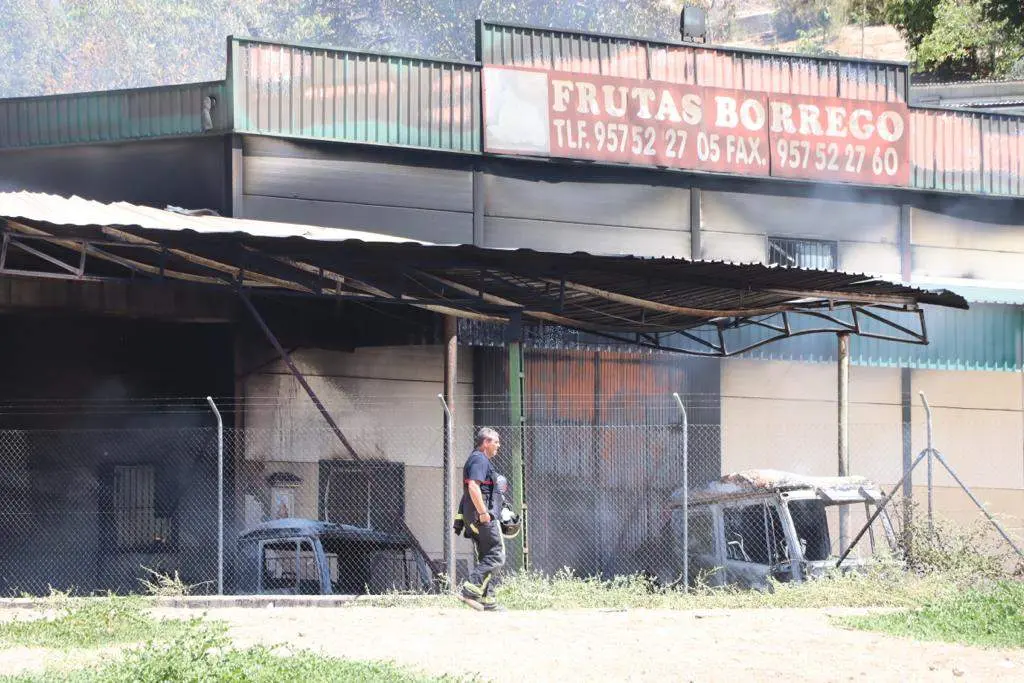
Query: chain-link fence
(97, 510)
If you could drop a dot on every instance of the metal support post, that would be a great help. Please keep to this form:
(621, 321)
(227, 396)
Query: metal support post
(929, 449)
(686, 494)
(451, 359)
(519, 548)
(908, 456)
(449, 536)
(326, 415)
(220, 496)
(844, 432)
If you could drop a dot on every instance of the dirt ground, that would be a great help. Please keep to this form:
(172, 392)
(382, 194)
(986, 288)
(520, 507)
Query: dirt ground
(594, 645)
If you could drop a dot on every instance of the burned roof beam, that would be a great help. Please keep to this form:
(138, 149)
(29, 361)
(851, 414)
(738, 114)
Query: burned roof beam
(130, 264)
(234, 272)
(16, 243)
(501, 301)
(660, 307)
(374, 293)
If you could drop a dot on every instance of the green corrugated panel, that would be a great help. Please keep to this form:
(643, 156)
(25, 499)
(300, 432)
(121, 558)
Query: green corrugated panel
(347, 95)
(986, 337)
(167, 111)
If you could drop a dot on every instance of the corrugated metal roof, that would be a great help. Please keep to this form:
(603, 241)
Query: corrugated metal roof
(601, 294)
(977, 291)
(57, 210)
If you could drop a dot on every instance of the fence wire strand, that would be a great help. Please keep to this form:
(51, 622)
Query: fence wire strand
(98, 509)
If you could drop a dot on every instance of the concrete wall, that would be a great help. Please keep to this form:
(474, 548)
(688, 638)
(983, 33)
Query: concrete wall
(384, 400)
(598, 217)
(186, 172)
(783, 415)
(979, 428)
(286, 181)
(735, 227)
(300, 183)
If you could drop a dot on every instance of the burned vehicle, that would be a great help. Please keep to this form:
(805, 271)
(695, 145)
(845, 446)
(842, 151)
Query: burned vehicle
(309, 557)
(754, 525)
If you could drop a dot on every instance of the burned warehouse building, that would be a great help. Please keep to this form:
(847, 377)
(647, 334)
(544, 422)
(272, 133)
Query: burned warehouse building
(361, 258)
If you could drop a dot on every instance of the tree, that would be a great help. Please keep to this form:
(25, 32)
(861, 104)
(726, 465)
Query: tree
(961, 39)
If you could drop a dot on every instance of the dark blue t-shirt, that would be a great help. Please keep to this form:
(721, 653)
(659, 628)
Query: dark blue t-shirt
(479, 469)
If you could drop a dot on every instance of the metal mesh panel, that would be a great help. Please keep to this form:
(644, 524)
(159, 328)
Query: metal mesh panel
(93, 509)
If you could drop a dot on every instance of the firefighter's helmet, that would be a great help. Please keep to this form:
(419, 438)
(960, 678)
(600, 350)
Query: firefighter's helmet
(510, 524)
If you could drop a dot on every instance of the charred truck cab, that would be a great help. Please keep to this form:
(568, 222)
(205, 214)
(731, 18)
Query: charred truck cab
(309, 557)
(756, 524)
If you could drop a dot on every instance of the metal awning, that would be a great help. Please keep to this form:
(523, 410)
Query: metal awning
(641, 301)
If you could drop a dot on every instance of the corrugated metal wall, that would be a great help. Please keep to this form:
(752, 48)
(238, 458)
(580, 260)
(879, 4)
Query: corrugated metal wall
(986, 337)
(603, 447)
(967, 152)
(951, 151)
(330, 94)
(166, 111)
(763, 72)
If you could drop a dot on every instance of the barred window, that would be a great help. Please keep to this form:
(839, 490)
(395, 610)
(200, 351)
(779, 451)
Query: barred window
(139, 524)
(797, 253)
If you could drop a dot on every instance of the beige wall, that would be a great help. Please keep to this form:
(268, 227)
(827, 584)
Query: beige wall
(978, 425)
(783, 415)
(384, 400)
(945, 246)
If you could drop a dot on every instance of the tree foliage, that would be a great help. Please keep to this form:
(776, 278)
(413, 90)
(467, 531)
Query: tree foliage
(75, 45)
(961, 38)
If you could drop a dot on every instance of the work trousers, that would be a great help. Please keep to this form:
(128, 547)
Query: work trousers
(489, 545)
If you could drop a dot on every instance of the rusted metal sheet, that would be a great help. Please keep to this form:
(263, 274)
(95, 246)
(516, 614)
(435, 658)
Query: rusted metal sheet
(562, 51)
(945, 150)
(165, 111)
(320, 93)
(534, 47)
(788, 75)
(1002, 153)
(601, 388)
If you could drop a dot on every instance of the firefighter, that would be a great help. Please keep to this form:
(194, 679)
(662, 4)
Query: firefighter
(479, 518)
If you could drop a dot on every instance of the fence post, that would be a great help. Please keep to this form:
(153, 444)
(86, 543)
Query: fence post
(447, 533)
(451, 361)
(520, 549)
(686, 494)
(220, 496)
(843, 392)
(929, 448)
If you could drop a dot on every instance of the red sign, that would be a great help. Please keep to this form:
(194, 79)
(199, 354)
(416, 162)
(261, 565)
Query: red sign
(653, 123)
(827, 138)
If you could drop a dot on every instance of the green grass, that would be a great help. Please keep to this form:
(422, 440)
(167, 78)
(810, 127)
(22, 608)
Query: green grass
(201, 651)
(986, 617)
(88, 622)
(884, 586)
(170, 650)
